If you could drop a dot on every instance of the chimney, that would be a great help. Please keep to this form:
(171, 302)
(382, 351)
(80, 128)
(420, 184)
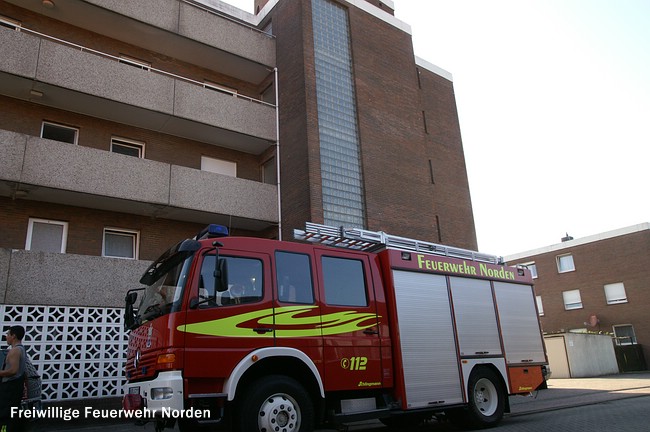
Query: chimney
(383, 5)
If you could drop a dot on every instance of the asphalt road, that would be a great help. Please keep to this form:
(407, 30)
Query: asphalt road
(612, 404)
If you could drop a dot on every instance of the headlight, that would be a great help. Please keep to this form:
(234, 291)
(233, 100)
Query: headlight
(160, 393)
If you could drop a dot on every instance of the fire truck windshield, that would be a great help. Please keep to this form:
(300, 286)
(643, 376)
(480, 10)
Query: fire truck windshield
(165, 294)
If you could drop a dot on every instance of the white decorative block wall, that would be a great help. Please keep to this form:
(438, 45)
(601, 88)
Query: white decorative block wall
(78, 351)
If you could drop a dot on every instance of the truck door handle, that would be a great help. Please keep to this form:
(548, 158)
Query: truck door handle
(370, 331)
(262, 330)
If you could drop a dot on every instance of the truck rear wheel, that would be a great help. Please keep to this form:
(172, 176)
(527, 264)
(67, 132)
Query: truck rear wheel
(276, 404)
(486, 398)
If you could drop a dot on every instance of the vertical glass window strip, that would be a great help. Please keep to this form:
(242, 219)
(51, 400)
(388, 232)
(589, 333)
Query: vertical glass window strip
(342, 188)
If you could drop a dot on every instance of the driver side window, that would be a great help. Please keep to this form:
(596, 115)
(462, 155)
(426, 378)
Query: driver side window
(245, 284)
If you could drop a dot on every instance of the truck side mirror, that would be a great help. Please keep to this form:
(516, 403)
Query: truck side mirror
(221, 275)
(129, 311)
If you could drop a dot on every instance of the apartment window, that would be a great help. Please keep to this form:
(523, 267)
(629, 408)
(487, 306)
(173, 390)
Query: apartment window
(131, 61)
(615, 293)
(45, 235)
(218, 166)
(540, 306)
(127, 147)
(572, 300)
(59, 132)
(344, 282)
(269, 172)
(119, 243)
(624, 334)
(10, 23)
(219, 87)
(565, 263)
(532, 267)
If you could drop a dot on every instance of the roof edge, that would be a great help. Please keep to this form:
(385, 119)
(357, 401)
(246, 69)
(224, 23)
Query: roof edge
(580, 241)
(433, 68)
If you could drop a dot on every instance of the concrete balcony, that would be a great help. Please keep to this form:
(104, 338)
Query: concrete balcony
(195, 34)
(75, 79)
(51, 171)
(29, 277)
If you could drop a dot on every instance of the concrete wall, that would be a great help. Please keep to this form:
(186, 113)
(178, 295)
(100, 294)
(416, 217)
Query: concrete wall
(19, 53)
(38, 278)
(587, 355)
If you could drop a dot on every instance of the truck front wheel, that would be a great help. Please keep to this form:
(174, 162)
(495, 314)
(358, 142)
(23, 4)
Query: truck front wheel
(275, 404)
(486, 398)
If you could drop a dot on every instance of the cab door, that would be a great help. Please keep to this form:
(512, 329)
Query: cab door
(221, 330)
(349, 321)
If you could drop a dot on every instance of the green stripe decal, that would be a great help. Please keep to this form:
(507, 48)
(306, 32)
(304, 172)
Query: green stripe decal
(290, 321)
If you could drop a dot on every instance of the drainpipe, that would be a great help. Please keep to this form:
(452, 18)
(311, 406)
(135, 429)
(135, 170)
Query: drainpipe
(277, 150)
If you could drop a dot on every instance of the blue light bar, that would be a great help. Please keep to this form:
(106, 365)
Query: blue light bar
(212, 231)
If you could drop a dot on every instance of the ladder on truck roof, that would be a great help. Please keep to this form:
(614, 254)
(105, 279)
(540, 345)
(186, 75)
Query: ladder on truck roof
(372, 241)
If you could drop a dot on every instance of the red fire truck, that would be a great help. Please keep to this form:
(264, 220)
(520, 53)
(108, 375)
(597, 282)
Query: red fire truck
(266, 335)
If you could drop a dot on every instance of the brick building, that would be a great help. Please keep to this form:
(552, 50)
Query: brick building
(597, 284)
(126, 126)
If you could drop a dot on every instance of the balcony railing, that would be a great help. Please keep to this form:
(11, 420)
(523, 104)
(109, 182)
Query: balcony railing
(151, 69)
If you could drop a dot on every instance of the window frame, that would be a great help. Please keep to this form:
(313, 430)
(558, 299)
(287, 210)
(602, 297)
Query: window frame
(615, 286)
(126, 142)
(558, 260)
(222, 163)
(30, 232)
(633, 339)
(45, 123)
(328, 300)
(540, 305)
(532, 267)
(279, 275)
(135, 234)
(270, 162)
(568, 305)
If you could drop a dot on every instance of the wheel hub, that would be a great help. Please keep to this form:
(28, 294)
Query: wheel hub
(279, 414)
(485, 397)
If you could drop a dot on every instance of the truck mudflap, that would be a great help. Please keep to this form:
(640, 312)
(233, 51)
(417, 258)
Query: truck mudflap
(159, 397)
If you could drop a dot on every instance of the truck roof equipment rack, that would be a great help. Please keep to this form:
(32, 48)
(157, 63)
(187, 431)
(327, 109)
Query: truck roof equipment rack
(373, 241)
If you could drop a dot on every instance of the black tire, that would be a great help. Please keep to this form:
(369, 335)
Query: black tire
(486, 399)
(275, 404)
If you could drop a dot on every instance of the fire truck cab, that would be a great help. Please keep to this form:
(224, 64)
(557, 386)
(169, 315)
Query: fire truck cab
(267, 335)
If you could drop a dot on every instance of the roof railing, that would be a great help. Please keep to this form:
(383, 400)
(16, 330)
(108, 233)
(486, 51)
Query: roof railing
(373, 241)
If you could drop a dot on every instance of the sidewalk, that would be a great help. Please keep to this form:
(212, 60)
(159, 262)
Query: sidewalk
(566, 393)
